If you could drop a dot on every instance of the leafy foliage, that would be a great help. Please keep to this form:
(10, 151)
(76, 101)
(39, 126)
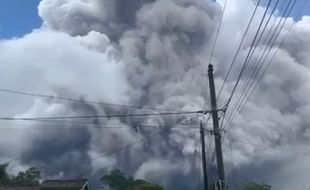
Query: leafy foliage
(4, 177)
(30, 177)
(143, 185)
(255, 186)
(116, 180)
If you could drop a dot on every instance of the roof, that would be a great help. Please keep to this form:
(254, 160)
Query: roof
(64, 183)
(19, 188)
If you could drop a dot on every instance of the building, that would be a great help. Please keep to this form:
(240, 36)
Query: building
(80, 184)
(76, 184)
(19, 188)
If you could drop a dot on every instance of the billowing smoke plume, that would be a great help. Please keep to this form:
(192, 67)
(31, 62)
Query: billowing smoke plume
(150, 53)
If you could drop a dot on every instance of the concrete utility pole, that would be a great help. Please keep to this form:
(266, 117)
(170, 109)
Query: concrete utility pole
(216, 130)
(203, 153)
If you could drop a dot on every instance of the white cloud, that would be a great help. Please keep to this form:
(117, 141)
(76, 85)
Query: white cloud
(47, 61)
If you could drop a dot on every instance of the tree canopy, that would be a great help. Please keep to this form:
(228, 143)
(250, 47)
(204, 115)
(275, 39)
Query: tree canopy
(4, 177)
(117, 180)
(30, 177)
(255, 186)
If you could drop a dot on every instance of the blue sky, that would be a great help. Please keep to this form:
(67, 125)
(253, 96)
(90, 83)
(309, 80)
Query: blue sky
(297, 8)
(19, 17)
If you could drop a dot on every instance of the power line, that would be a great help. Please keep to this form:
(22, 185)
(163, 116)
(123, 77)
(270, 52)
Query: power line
(80, 101)
(236, 55)
(134, 143)
(245, 64)
(217, 32)
(241, 106)
(247, 61)
(77, 123)
(262, 56)
(271, 147)
(216, 36)
(250, 91)
(104, 116)
(270, 62)
(57, 123)
(115, 151)
(264, 29)
(143, 139)
(254, 73)
(239, 48)
(251, 51)
(105, 126)
(282, 42)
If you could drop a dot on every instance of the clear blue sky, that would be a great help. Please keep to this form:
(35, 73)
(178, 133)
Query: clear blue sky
(297, 7)
(19, 17)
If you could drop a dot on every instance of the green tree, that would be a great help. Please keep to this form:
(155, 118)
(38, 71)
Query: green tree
(116, 180)
(33, 175)
(255, 186)
(4, 177)
(28, 178)
(143, 185)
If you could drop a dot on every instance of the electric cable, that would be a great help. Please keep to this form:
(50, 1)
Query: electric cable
(245, 64)
(250, 92)
(253, 75)
(115, 151)
(102, 116)
(81, 101)
(239, 48)
(217, 32)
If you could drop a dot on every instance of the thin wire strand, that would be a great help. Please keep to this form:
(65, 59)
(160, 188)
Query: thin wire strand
(134, 143)
(101, 116)
(217, 32)
(107, 126)
(272, 147)
(215, 40)
(239, 48)
(115, 151)
(262, 58)
(274, 55)
(250, 92)
(245, 64)
(81, 101)
(257, 43)
(247, 57)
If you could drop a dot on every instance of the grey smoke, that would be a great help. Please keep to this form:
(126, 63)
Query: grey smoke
(151, 53)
